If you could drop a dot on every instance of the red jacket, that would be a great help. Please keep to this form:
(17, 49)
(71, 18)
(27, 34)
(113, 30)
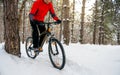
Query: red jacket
(40, 9)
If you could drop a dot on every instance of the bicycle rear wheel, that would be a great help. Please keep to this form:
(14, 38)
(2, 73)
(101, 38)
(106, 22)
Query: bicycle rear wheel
(29, 44)
(56, 53)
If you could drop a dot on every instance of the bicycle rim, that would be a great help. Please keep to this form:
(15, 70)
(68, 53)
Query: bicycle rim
(29, 43)
(56, 54)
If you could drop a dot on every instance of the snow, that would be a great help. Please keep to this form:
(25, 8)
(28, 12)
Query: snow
(81, 60)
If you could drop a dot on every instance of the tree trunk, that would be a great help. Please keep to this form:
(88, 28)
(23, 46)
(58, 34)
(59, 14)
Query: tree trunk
(20, 13)
(82, 22)
(61, 26)
(72, 30)
(116, 19)
(101, 27)
(118, 37)
(95, 24)
(66, 30)
(1, 23)
(23, 26)
(11, 35)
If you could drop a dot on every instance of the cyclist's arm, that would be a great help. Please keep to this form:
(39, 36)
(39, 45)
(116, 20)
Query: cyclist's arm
(34, 8)
(52, 12)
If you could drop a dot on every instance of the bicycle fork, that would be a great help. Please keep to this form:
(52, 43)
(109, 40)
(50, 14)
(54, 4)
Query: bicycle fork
(54, 52)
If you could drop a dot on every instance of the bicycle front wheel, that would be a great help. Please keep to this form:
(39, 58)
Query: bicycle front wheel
(28, 46)
(56, 53)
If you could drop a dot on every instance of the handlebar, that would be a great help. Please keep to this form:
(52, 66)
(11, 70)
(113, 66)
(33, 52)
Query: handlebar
(48, 23)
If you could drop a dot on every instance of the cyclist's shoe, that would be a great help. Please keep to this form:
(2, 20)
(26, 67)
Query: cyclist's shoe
(35, 49)
(40, 49)
(37, 52)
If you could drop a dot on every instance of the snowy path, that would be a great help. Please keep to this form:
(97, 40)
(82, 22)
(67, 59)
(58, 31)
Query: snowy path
(97, 60)
(81, 60)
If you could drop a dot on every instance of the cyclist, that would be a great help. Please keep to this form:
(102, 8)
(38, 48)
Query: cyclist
(37, 14)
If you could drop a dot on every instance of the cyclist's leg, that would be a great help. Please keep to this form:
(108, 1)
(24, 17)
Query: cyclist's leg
(34, 34)
(41, 29)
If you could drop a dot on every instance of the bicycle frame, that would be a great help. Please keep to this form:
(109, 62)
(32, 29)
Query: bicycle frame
(47, 33)
(55, 48)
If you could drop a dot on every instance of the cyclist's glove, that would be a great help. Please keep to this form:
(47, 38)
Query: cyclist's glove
(58, 21)
(31, 17)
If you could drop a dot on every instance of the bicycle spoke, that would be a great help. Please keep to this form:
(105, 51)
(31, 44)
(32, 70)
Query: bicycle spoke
(56, 54)
(58, 62)
(29, 51)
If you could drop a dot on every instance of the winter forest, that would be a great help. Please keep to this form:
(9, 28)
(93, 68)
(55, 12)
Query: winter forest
(83, 21)
(89, 33)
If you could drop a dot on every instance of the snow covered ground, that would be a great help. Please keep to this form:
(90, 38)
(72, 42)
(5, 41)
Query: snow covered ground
(81, 60)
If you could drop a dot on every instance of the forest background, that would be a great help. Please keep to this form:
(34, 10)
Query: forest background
(83, 21)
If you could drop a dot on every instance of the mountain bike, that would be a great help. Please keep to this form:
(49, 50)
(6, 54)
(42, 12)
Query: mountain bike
(55, 48)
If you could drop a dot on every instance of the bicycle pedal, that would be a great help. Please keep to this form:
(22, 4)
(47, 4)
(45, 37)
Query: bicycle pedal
(37, 53)
(36, 50)
(33, 48)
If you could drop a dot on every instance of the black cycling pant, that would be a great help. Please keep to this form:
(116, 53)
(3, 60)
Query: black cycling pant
(35, 33)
